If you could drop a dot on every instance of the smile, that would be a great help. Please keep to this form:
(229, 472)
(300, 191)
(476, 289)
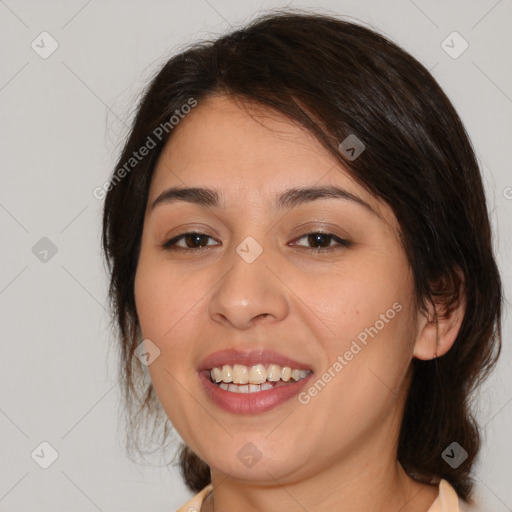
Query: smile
(239, 378)
(251, 381)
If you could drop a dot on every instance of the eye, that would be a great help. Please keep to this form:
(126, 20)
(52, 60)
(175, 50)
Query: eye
(324, 241)
(195, 240)
(188, 241)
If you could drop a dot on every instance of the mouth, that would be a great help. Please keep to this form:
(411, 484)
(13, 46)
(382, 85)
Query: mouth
(251, 382)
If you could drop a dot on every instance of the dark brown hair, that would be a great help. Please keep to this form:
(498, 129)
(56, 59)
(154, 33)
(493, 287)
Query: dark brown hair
(337, 78)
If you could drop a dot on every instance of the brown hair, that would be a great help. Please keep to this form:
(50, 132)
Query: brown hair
(337, 78)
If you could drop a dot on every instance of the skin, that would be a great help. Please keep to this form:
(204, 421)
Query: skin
(337, 452)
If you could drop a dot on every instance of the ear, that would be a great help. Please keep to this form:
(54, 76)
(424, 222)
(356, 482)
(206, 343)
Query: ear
(439, 327)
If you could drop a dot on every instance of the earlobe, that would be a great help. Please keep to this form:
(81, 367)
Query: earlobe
(436, 336)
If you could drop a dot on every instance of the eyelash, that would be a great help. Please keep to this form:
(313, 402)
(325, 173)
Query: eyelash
(170, 245)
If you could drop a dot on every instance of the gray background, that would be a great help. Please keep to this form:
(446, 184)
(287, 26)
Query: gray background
(63, 120)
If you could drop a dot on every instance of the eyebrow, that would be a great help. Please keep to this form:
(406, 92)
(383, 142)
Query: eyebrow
(293, 197)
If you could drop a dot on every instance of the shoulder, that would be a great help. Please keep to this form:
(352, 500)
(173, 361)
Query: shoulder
(446, 493)
(449, 501)
(194, 505)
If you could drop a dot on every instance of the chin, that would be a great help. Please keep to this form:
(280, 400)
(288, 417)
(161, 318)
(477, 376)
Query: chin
(258, 460)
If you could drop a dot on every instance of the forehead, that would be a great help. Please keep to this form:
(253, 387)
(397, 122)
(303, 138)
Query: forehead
(224, 130)
(248, 151)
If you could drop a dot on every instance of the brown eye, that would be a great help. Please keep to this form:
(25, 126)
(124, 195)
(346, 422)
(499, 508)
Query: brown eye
(321, 240)
(187, 241)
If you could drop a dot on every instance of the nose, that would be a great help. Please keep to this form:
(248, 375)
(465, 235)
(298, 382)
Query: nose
(248, 293)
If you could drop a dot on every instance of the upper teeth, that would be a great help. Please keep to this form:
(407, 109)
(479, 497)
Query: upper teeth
(257, 374)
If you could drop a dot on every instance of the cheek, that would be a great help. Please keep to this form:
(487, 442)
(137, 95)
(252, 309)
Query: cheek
(348, 302)
(369, 315)
(165, 308)
(150, 300)
(170, 309)
(166, 301)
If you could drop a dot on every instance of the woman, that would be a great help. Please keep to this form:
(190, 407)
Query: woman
(300, 255)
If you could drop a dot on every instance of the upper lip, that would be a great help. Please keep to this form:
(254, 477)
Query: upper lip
(249, 358)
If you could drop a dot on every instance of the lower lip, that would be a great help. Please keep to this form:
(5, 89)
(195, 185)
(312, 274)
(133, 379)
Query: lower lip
(251, 403)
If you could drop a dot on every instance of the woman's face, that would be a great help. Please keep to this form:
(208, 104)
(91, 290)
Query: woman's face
(258, 281)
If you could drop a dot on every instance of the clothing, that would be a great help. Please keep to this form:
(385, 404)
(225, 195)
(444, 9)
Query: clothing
(446, 501)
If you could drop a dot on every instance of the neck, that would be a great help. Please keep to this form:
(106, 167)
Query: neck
(388, 492)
